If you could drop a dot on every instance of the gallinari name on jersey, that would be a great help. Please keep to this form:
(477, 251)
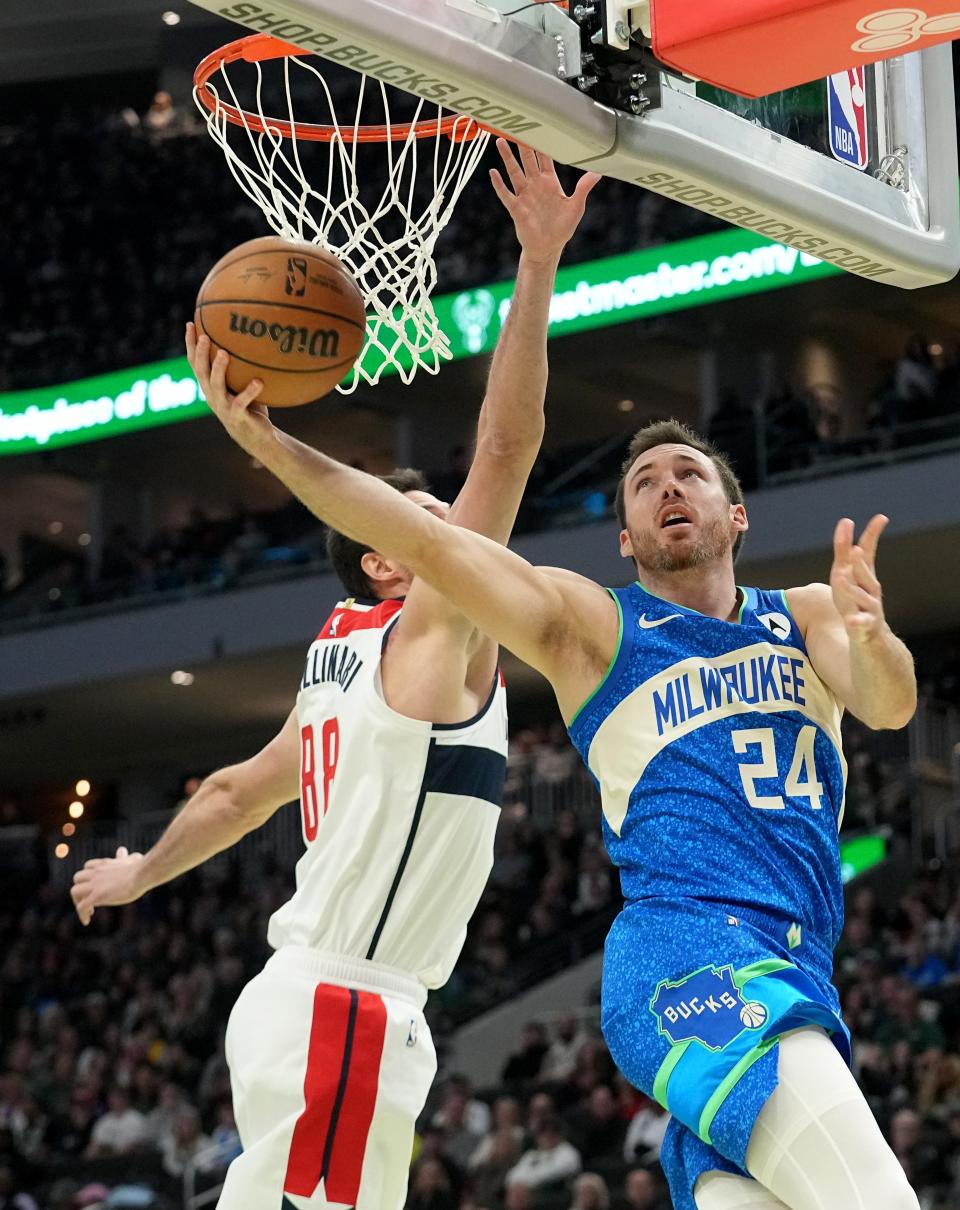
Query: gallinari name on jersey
(768, 679)
(334, 663)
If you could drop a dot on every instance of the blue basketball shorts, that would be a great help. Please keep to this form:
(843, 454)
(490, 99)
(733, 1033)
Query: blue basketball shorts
(695, 999)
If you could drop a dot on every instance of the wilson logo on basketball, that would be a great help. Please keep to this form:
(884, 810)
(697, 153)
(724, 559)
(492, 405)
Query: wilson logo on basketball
(315, 342)
(894, 28)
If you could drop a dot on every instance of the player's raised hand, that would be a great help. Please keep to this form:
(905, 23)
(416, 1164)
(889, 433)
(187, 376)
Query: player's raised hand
(853, 578)
(106, 882)
(244, 419)
(543, 215)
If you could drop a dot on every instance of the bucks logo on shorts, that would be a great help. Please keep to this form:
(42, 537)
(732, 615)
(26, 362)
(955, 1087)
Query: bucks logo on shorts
(705, 1007)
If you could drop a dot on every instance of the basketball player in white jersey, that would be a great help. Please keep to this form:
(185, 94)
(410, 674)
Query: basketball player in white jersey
(396, 749)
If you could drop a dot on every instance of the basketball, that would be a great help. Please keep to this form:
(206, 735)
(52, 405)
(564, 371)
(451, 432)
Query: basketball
(288, 313)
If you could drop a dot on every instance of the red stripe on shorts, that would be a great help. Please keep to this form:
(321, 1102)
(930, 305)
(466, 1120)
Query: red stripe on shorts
(340, 1094)
(328, 1033)
(352, 1127)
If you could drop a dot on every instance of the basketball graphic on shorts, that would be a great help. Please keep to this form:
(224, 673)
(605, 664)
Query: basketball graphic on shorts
(288, 313)
(753, 1014)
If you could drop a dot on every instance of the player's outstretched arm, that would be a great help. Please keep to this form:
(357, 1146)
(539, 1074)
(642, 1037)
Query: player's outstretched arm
(561, 624)
(432, 632)
(849, 641)
(511, 423)
(229, 804)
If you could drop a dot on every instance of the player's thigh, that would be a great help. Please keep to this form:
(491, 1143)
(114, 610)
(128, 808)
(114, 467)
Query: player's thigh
(407, 1070)
(816, 1144)
(724, 1191)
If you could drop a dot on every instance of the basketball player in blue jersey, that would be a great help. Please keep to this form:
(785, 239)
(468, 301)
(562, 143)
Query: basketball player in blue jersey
(710, 716)
(396, 749)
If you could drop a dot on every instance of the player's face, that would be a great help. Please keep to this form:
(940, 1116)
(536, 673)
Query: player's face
(677, 512)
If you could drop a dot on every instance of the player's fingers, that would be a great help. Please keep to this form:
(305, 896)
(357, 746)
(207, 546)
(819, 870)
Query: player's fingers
(864, 601)
(249, 393)
(862, 571)
(218, 372)
(513, 169)
(871, 536)
(501, 190)
(585, 185)
(191, 339)
(122, 851)
(843, 540)
(531, 165)
(547, 166)
(201, 362)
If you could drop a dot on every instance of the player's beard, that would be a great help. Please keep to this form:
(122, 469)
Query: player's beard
(713, 543)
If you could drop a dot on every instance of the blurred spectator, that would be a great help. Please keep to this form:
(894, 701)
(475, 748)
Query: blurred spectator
(642, 1191)
(121, 1129)
(561, 1058)
(524, 1064)
(590, 1192)
(597, 1128)
(916, 376)
(430, 1187)
(185, 1143)
(645, 1132)
(12, 1197)
(922, 968)
(551, 1161)
(498, 1154)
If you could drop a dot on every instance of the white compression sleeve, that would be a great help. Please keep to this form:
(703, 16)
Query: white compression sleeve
(815, 1145)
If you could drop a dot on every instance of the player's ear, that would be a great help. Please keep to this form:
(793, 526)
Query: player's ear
(376, 568)
(738, 518)
(626, 548)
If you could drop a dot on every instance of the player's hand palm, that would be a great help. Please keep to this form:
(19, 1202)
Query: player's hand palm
(247, 421)
(544, 216)
(106, 882)
(853, 579)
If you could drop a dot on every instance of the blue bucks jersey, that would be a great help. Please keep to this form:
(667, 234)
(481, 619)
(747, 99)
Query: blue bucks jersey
(717, 750)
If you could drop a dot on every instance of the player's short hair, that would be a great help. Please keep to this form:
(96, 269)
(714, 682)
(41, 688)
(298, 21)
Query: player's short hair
(345, 554)
(674, 432)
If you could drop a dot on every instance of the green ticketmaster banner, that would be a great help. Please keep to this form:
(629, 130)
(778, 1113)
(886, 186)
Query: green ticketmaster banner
(712, 268)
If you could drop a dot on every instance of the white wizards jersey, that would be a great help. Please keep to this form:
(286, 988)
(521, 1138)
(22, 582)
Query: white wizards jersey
(398, 815)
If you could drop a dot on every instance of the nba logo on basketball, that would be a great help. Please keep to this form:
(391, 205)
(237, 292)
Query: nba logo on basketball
(847, 117)
(296, 283)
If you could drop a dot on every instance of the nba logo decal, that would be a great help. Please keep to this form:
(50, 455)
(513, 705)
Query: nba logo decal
(847, 117)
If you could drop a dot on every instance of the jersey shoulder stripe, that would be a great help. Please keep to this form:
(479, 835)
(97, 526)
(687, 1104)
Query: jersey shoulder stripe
(352, 615)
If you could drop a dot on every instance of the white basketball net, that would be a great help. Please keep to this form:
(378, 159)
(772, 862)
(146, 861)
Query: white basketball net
(387, 241)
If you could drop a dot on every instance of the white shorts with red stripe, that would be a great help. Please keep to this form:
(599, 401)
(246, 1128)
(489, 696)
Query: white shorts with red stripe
(330, 1062)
